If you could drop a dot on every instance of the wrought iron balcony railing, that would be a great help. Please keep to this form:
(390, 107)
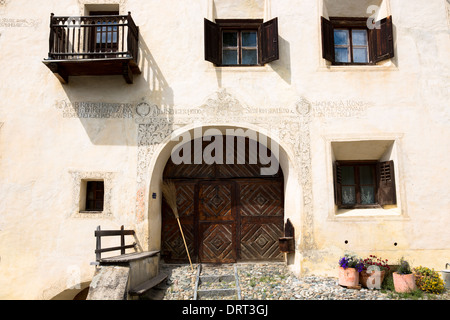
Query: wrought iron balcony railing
(93, 45)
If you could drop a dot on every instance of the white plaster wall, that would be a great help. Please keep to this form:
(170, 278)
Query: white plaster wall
(405, 99)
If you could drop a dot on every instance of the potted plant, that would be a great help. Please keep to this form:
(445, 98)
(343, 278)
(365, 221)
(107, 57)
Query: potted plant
(404, 279)
(373, 273)
(428, 280)
(349, 268)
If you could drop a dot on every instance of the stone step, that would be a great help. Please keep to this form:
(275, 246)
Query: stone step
(216, 286)
(221, 278)
(216, 293)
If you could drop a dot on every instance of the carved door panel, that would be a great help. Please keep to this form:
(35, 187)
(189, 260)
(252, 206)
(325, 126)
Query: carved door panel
(261, 212)
(172, 246)
(216, 222)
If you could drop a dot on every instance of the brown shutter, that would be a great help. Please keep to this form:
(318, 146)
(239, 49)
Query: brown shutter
(386, 183)
(269, 50)
(327, 40)
(337, 179)
(212, 42)
(382, 41)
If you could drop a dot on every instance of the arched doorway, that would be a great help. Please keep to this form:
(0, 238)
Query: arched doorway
(229, 211)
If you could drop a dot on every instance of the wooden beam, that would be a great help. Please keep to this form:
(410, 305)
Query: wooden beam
(110, 233)
(59, 72)
(126, 72)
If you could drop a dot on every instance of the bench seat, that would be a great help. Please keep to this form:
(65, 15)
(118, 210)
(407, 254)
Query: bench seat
(128, 257)
(147, 285)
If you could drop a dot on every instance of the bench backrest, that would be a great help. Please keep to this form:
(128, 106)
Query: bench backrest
(108, 233)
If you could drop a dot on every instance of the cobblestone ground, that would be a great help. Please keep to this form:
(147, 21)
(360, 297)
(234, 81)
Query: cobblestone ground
(268, 281)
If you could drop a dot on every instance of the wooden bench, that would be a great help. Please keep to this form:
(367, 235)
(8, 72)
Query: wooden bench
(125, 259)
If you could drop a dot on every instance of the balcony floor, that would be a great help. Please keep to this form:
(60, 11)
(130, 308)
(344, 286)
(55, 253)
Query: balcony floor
(65, 68)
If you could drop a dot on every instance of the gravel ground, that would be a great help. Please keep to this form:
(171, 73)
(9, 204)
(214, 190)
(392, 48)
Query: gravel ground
(264, 281)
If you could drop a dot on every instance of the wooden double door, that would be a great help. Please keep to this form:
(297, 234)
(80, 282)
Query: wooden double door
(225, 221)
(228, 212)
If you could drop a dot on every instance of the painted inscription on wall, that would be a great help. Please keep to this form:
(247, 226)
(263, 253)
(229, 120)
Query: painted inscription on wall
(19, 23)
(339, 108)
(95, 109)
(146, 113)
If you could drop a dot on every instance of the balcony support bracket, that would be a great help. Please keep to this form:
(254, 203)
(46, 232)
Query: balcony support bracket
(59, 72)
(127, 73)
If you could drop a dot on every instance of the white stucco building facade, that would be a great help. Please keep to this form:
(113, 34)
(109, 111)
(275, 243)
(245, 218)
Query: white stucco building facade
(322, 114)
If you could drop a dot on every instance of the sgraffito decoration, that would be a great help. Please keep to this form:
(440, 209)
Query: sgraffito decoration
(289, 125)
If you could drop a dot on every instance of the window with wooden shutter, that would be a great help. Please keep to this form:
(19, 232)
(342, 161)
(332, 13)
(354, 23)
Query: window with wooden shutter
(382, 40)
(363, 184)
(327, 40)
(386, 183)
(348, 41)
(212, 42)
(337, 178)
(269, 41)
(241, 42)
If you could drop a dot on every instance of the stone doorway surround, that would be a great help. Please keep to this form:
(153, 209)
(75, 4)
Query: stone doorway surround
(160, 129)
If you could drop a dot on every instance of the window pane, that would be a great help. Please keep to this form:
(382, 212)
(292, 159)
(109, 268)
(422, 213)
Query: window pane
(341, 54)
(359, 37)
(360, 55)
(99, 205)
(341, 37)
(230, 39)
(348, 195)
(249, 39)
(367, 195)
(249, 57)
(348, 175)
(366, 175)
(229, 57)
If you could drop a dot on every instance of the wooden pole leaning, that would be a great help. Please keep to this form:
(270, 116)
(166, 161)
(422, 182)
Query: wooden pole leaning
(170, 194)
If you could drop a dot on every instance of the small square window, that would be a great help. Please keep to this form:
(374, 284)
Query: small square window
(95, 191)
(92, 193)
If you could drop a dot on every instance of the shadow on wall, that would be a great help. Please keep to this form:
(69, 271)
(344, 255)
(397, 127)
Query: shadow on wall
(282, 66)
(112, 111)
(77, 292)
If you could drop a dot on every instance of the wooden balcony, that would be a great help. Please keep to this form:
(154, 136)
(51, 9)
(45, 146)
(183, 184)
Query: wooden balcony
(93, 46)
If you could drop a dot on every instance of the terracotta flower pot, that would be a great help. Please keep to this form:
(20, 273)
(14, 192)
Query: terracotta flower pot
(404, 282)
(371, 279)
(348, 277)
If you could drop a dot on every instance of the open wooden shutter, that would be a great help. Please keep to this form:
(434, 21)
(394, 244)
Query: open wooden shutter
(269, 50)
(327, 40)
(382, 41)
(386, 183)
(337, 179)
(212, 42)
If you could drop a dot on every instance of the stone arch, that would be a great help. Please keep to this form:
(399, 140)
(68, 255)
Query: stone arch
(292, 186)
